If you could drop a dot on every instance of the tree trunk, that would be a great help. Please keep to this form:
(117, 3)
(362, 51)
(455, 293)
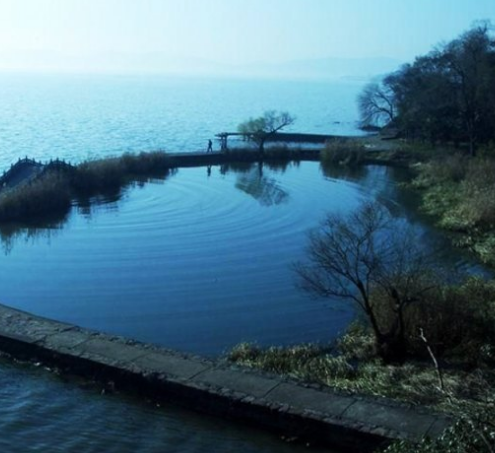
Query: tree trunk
(262, 147)
(472, 146)
(393, 348)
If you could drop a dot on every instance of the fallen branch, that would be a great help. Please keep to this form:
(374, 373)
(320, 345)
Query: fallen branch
(435, 361)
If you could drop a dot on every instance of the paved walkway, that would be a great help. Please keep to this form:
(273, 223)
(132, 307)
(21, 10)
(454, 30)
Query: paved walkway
(309, 412)
(19, 173)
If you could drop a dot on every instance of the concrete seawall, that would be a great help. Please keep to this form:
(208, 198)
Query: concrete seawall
(311, 413)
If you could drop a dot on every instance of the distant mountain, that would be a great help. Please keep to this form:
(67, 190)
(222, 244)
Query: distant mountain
(329, 68)
(105, 62)
(161, 63)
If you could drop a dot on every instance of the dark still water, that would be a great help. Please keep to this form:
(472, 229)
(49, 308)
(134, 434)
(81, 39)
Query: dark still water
(41, 413)
(198, 262)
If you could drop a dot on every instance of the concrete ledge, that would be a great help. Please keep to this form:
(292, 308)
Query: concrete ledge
(314, 414)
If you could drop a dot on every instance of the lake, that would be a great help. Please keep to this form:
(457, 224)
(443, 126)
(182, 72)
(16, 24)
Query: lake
(199, 261)
(79, 117)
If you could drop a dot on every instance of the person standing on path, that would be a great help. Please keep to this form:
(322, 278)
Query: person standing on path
(210, 147)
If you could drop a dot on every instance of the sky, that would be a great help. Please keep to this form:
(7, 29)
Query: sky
(229, 32)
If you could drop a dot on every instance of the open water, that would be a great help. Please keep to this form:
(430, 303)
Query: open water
(79, 117)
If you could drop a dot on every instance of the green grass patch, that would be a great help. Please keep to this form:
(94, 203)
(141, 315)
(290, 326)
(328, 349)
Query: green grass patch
(351, 366)
(460, 193)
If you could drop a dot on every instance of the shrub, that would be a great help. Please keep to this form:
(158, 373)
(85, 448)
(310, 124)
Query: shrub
(450, 168)
(458, 321)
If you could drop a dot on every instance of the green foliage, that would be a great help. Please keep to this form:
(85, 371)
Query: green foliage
(460, 192)
(478, 193)
(291, 360)
(445, 168)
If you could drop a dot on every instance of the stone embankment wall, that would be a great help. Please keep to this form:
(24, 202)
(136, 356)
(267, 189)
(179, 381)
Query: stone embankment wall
(311, 413)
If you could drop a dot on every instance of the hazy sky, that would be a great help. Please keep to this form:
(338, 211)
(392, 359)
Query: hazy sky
(238, 31)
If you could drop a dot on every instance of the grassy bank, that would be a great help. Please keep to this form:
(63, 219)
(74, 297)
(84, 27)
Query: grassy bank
(458, 322)
(459, 192)
(54, 191)
(351, 366)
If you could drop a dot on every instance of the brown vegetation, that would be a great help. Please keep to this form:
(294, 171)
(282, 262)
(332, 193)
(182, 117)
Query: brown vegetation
(54, 190)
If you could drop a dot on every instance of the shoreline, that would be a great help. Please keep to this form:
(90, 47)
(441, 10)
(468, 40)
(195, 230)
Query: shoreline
(310, 413)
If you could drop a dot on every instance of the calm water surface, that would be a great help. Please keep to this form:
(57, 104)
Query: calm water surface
(41, 413)
(196, 262)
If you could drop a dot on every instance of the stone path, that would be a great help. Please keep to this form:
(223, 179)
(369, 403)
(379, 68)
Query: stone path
(22, 171)
(311, 413)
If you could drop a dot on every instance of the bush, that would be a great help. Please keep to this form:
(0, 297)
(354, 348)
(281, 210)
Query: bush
(458, 321)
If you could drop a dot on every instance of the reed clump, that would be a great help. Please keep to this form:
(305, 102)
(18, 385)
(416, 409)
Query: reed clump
(343, 152)
(55, 189)
(49, 195)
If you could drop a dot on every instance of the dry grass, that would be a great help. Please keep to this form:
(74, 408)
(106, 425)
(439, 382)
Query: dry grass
(353, 367)
(49, 195)
(53, 191)
(348, 153)
(460, 193)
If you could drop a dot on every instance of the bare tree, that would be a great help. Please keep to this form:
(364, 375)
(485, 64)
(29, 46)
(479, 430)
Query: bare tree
(262, 128)
(376, 105)
(365, 253)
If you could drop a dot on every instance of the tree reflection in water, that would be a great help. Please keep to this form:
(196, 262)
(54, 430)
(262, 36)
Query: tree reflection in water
(264, 189)
(12, 233)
